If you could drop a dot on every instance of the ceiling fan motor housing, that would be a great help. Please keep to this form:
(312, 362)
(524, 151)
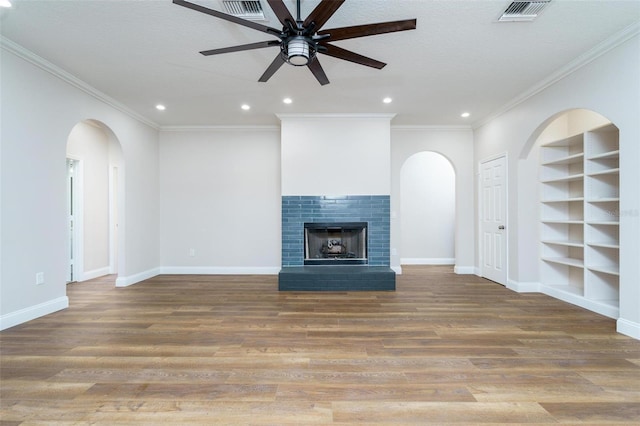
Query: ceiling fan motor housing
(297, 51)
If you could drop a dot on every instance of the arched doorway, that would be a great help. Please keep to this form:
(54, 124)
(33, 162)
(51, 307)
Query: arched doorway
(427, 210)
(95, 189)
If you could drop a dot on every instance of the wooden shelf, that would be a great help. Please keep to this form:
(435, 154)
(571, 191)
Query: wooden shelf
(605, 155)
(604, 245)
(604, 200)
(567, 221)
(571, 159)
(570, 178)
(580, 181)
(563, 200)
(607, 269)
(568, 243)
(569, 261)
(605, 172)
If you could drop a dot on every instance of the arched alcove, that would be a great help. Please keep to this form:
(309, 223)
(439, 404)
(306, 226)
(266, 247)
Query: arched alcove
(427, 209)
(95, 193)
(570, 166)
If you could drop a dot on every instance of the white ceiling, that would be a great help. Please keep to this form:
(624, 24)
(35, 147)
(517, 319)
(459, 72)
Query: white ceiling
(458, 59)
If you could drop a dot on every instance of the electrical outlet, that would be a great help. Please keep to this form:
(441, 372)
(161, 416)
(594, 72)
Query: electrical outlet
(394, 252)
(192, 252)
(40, 278)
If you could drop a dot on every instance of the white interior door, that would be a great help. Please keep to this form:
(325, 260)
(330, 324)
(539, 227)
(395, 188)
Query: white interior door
(493, 219)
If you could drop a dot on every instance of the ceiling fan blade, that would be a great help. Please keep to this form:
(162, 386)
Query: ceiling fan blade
(322, 13)
(275, 66)
(369, 29)
(317, 71)
(281, 12)
(227, 17)
(347, 55)
(258, 45)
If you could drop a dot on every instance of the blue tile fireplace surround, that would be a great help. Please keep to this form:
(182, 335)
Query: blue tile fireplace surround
(371, 209)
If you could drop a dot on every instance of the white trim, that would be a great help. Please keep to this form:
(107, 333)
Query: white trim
(579, 62)
(628, 328)
(397, 269)
(32, 312)
(114, 192)
(465, 270)
(432, 127)
(69, 78)
(219, 127)
(78, 218)
(336, 115)
(100, 272)
(578, 300)
(136, 278)
(427, 261)
(220, 270)
(523, 287)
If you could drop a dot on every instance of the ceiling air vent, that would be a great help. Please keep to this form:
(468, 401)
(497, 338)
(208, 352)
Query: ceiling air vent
(245, 9)
(523, 11)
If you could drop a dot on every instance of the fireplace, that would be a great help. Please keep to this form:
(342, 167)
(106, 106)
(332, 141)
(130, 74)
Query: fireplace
(336, 243)
(340, 243)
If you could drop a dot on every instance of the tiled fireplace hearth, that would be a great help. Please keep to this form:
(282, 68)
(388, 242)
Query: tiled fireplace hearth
(372, 210)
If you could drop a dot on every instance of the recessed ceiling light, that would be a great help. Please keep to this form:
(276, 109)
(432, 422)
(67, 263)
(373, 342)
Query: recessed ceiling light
(465, 115)
(160, 107)
(287, 100)
(245, 107)
(5, 3)
(387, 100)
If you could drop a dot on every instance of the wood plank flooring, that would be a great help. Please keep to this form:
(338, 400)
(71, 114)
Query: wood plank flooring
(443, 348)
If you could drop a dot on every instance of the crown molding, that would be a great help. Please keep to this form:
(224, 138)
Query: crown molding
(219, 127)
(336, 115)
(453, 127)
(579, 62)
(69, 78)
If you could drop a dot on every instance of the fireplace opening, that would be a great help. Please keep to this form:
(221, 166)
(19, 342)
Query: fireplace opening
(335, 243)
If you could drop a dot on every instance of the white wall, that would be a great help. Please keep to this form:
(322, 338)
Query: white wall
(220, 197)
(610, 86)
(428, 208)
(336, 154)
(39, 110)
(456, 144)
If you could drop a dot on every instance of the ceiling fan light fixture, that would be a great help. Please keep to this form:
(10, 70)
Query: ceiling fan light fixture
(298, 51)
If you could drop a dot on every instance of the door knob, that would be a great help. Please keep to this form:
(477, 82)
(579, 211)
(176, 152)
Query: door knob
(501, 227)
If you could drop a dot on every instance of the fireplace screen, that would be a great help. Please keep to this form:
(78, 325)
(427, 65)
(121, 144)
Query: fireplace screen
(335, 243)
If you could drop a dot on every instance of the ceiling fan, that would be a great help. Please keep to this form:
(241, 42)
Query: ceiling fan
(300, 41)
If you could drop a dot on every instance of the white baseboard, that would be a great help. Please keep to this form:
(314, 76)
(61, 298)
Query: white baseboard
(523, 287)
(136, 278)
(427, 261)
(465, 270)
(397, 269)
(89, 275)
(32, 312)
(220, 270)
(628, 328)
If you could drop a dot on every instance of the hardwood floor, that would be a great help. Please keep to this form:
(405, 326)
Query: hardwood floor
(443, 348)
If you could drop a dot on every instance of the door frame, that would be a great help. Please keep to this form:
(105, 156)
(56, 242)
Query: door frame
(114, 217)
(506, 214)
(78, 218)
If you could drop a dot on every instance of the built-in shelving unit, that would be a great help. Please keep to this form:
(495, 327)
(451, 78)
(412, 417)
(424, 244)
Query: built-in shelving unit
(580, 204)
